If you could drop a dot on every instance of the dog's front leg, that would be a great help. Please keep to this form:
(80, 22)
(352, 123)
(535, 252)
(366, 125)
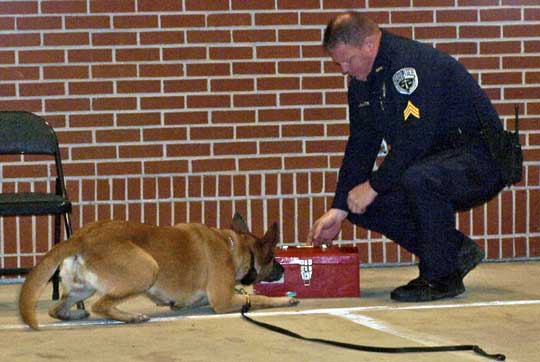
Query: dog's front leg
(237, 301)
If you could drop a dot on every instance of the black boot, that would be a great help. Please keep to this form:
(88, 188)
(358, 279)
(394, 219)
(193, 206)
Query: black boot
(423, 290)
(469, 256)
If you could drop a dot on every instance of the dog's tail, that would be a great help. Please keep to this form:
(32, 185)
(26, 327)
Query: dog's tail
(37, 279)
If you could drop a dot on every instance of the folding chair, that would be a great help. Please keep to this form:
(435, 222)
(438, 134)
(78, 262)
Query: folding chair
(25, 133)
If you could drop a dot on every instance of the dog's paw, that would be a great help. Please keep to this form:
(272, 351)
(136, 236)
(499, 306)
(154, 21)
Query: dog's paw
(293, 301)
(139, 318)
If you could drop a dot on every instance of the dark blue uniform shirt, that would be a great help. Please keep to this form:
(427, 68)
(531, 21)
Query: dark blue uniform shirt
(416, 98)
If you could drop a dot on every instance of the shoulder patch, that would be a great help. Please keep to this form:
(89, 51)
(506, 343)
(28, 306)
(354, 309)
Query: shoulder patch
(405, 80)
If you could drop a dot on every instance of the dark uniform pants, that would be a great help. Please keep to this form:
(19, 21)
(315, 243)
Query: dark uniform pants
(419, 214)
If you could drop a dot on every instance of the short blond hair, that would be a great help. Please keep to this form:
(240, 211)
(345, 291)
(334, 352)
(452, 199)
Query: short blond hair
(350, 28)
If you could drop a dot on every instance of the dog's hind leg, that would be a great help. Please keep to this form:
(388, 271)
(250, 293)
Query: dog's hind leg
(64, 311)
(119, 279)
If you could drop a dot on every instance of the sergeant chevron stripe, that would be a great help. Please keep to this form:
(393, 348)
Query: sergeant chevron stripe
(411, 109)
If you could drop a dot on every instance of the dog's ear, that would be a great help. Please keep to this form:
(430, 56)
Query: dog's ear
(271, 237)
(238, 224)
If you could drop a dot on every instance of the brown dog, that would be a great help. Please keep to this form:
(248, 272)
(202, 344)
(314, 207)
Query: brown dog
(186, 265)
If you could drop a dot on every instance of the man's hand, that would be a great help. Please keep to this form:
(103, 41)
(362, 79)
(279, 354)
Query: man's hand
(326, 227)
(361, 197)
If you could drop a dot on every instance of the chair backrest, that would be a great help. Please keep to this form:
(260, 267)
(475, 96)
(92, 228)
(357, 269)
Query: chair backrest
(24, 132)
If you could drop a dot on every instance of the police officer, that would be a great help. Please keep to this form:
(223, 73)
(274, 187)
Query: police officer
(422, 102)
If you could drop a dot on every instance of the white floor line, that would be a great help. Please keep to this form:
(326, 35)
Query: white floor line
(334, 311)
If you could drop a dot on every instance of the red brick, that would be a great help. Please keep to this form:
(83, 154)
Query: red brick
(436, 32)
(532, 14)
(179, 21)
(323, 82)
(119, 168)
(7, 23)
(185, 85)
(24, 171)
(187, 149)
(520, 62)
(456, 16)
(281, 115)
(260, 163)
(458, 48)
(228, 19)
(89, 55)
(115, 39)
(135, 21)
(7, 57)
(164, 134)
(137, 54)
(254, 68)
(114, 103)
(138, 86)
(161, 70)
(323, 114)
(213, 165)
(18, 7)
(162, 37)
(473, 63)
(281, 18)
(90, 87)
(280, 147)
(39, 22)
(138, 119)
(211, 133)
(67, 104)
(112, 6)
(184, 53)
(414, 17)
(303, 130)
(252, 5)
(254, 100)
(66, 39)
(19, 73)
(430, 3)
(229, 85)
(93, 153)
(87, 22)
(235, 148)
(340, 4)
(166, 102)
(521, 31)
(41, 56)
(233, 116)
(390, 3)
(63, 7)
(284, 83)
(498, 15)
(91, 120)
(250, 132)
(7, 90)
(118, 135)
(502, 78)
(282, 51)
(208, 69)
(115, 71)
(19, 40)
(208, 36)
(299, 67)
(186, 117)
(299, 4)
(500, 47)
(297, 35)
(300, 98)
(140, 151)
(166, 167)
(41, 89)
(215, 5)
(251, 36)
(306, 162)
(231, 53)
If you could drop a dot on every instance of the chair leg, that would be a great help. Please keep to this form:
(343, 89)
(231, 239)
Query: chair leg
(56, 276)
(67, 224)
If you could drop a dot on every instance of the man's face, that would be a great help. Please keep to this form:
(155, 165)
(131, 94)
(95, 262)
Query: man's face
(354, 60)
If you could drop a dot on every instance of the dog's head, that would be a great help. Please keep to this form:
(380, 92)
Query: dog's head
(259, 252)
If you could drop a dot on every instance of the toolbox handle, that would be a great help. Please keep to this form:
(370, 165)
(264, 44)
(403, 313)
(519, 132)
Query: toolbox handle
(323, 246)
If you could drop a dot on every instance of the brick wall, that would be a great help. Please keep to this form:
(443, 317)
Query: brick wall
(188, 110)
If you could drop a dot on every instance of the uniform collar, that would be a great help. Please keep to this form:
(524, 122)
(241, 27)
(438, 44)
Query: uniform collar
(383, 58)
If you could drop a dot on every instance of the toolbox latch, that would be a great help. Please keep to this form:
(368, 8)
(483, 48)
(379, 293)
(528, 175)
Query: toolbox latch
(306, 269)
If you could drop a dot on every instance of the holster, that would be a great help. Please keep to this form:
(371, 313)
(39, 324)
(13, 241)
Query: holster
(504, 148)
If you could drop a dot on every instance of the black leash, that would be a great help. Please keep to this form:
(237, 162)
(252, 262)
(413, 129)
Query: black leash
(468, 347)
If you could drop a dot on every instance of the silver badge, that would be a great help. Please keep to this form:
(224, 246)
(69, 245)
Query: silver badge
(405, 80)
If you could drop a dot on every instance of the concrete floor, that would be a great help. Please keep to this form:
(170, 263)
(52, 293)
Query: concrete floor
(499, 312)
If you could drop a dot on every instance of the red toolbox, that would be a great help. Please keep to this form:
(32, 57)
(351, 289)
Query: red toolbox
(313, 272)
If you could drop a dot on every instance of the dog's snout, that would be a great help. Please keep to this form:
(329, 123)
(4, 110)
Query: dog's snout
(276, 273)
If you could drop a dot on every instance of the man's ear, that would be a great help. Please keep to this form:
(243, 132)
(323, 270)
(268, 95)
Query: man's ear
(238, 224)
